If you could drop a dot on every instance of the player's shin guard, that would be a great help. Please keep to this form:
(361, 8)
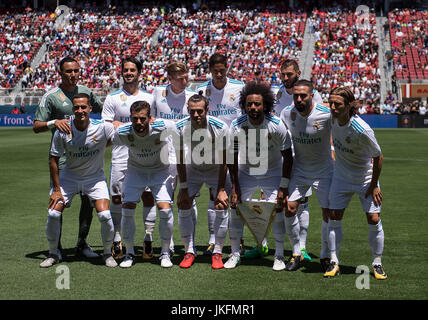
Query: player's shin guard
(185, 224)
(325, 252)
(220, 229)
(116, 215)
(278, 232)
(194, 218)
(166, 224)
(303, 216)
(211, 219)
(236, 227)
(292, 229)
(335, 236)
(128, 229)
(376, 241)
(53, 230)
(107, 230)
(149, 219)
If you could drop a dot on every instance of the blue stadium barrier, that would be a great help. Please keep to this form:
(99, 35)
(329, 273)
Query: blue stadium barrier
(380, 121)
(26, 120)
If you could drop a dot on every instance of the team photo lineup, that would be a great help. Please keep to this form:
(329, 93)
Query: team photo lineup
(236, 150)
(307, 146)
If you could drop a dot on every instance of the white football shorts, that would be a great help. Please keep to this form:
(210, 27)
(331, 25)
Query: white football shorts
(300, 187)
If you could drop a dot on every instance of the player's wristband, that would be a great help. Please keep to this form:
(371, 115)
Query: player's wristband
(284, 182)
(51, 124)
(332, 148)
(183, 185)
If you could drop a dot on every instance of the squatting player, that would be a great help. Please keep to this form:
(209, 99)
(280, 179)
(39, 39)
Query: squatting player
(196, 168)
(148, 166)
(310, 126)
(357, 170)
(84, 149)
(268, 138)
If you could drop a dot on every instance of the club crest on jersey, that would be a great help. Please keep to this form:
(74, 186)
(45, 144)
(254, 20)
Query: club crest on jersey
(164, 93)
(157, 141)
(316, 125)
(293, 116)
(95, 138)
(123, 97)
(61, 96)
(279, 95)
(208, 92)
(131, 138)
(348, 139)
(232, 97)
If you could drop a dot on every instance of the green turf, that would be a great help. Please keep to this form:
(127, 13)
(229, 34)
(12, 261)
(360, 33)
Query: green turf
(24, 196)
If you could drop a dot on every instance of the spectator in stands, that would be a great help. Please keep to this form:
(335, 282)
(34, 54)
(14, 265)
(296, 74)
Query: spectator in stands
(385, 108)
(15, 110)
(422, 109)
(22, 108)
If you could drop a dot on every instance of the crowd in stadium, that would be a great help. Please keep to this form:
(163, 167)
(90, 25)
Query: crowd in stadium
(254, 40)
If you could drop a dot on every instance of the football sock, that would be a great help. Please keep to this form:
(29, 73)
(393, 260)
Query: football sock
(335, 236)
(149, 219)
(211, 218)
(235, 231)
(325, 253)
(53, 230)
(303, 216)
(376, 241)
(220, 229)
(278, 232)
(128, 229)
(166, 225)
(185, 224)
(292, 228)
(107, 229)
(116, 215)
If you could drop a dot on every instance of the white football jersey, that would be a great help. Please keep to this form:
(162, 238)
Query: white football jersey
(201, 155)
(311, 140)
(84, 150)
(276, 139)
(149, 153)
(117, 107)
(168, 105)
(354, 145)
(224, 103)
(284, 99)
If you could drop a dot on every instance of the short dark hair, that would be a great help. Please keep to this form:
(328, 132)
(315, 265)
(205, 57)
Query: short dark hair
(290, 62)
(198, 98)
(65, 60)
(305, 83)
(82, 95)
(217, 58)
(260, 88)
(134, 61)
(137, 106)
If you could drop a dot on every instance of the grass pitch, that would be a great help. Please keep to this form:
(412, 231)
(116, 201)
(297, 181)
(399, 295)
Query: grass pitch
(24, 197)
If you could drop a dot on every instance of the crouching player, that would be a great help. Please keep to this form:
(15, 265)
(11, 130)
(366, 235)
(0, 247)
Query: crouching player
(202, 162)
(84, 150)
(357, 170)
(147, 167)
